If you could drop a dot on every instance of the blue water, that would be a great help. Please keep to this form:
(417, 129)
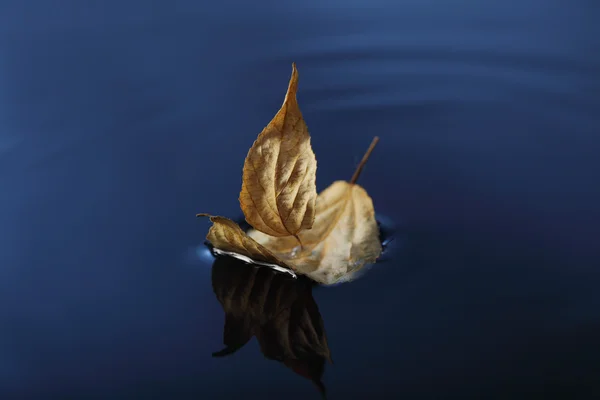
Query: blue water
(119, 121)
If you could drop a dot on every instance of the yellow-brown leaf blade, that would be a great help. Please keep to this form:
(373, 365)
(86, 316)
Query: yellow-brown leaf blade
(226, 235)
(279, 180)
(343, 239)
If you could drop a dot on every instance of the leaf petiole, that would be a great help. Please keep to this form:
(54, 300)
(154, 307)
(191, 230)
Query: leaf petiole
(364, 160)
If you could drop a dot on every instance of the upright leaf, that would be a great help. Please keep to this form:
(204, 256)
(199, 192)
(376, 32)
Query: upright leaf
(278, 185)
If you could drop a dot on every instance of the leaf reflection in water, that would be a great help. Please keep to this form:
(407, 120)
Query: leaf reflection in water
(278, 310)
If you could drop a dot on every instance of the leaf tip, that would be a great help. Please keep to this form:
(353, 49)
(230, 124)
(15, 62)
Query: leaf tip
(293, 85)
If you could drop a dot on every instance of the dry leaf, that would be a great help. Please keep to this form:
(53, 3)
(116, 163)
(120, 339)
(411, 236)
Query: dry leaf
(281, 313)
(329, 237)
(227, 236)
(278, 185)
(343, 239)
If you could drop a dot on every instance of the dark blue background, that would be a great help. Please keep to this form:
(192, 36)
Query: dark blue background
(120, 120)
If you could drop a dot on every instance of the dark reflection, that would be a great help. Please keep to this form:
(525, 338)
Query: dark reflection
(278, 310)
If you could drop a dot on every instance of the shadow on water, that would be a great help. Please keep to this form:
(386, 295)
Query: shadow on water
(278, 310)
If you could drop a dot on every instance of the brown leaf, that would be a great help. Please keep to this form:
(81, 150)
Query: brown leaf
(278, 185)
(226, 235)
(343, 239)
(328, 237)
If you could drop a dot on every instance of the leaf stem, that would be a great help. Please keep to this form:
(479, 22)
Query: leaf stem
(364, 160)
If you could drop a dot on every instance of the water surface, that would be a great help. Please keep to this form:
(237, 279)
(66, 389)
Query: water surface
(121, 120)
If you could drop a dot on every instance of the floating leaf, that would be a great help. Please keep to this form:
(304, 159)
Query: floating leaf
(281, 313)
(226, 235)
(344, 237)
(329, 237)
(278, 184)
